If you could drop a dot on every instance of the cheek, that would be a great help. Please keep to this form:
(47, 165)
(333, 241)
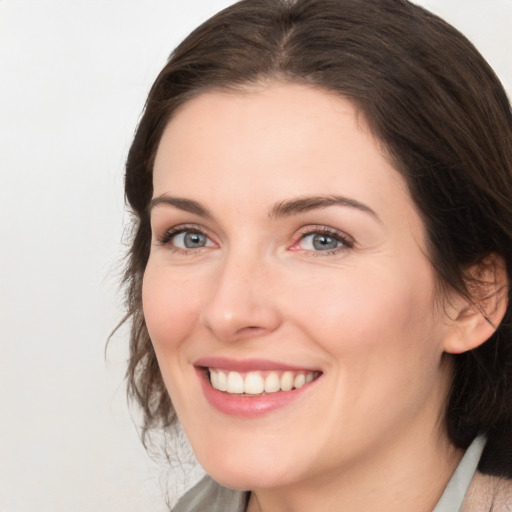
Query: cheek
(170, 307)
(171, 312)
(373, 312)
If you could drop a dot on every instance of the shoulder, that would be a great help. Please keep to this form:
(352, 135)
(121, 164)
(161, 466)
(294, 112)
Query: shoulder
(488, 494)
(209, 495)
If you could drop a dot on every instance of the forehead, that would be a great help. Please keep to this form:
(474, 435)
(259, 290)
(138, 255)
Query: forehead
(270, 120)
(276, 140)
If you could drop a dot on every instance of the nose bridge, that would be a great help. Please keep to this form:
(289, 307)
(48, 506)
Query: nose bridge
(240, 300)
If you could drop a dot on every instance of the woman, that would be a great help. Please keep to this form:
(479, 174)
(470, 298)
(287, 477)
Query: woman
(318, 280)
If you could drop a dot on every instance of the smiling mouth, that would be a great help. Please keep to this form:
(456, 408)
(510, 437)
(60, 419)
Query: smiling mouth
(258, 383)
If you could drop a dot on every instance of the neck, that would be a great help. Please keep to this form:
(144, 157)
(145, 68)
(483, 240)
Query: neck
(407, 476)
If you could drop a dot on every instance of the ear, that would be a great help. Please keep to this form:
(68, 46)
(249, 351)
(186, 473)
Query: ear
(474, 320)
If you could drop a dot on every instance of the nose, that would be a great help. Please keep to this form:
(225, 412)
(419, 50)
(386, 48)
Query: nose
(242, 301)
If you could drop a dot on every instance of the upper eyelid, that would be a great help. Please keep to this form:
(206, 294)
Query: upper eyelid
(172, 231)
(312, 229)
(185, 226)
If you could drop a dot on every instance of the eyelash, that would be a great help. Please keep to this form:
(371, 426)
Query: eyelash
(346, 242)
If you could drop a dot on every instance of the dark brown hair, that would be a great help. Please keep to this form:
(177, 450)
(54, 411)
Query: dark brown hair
(434, 104)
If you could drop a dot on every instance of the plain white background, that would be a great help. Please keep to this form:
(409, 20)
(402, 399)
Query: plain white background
(73, 80)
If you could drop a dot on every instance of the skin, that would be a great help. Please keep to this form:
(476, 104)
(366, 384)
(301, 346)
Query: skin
(367, 435)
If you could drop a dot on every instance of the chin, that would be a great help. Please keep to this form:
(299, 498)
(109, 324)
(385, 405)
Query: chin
(244, 476)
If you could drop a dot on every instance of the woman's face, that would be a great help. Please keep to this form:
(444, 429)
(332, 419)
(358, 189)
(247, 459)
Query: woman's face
(287, 253)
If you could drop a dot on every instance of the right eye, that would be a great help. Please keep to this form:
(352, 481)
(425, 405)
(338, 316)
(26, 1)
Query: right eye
(186, 239)
(190, 240)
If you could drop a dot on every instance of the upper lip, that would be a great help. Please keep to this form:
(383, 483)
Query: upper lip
(247, 365)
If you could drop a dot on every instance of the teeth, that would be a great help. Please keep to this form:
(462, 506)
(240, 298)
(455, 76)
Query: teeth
(287, 381)
(299, 381)
(254, 383)
(235, 383)
(214, 379)
(222, 381)
(272, 383)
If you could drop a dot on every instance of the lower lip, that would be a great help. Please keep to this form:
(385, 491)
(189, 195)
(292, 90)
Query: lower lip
(248, 406)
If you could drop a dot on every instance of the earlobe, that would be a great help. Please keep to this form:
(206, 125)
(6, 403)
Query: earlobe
(473, 321)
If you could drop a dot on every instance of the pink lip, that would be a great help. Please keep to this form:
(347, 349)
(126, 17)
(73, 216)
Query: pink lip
(246, 406)
(248, 365)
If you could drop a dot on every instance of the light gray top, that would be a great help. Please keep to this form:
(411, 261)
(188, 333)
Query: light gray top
(209, 496)
(454, 492)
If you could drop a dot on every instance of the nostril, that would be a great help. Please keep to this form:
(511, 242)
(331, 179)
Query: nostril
(251, 330)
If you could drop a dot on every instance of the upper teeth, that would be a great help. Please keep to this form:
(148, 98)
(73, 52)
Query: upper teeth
(254, 383)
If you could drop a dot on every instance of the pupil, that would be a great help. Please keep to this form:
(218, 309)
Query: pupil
(323, 242)
(193, 240)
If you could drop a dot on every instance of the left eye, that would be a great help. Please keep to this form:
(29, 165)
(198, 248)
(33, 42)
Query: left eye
(321, 242)
(191, 240)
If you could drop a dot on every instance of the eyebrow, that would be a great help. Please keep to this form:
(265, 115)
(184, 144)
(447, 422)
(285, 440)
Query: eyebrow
(181, 203)
(306, 204)
(281, 209)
